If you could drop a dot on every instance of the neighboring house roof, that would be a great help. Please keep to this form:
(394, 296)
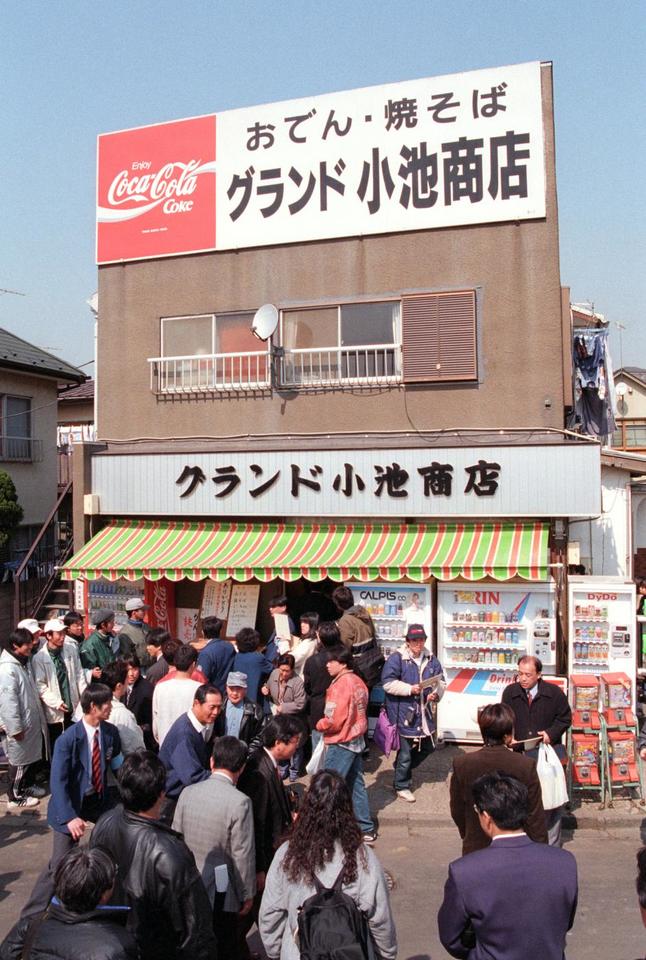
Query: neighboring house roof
(83, 392)
(635, 373)
(18, 354)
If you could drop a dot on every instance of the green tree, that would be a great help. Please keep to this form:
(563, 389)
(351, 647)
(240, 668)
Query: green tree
(11, 513)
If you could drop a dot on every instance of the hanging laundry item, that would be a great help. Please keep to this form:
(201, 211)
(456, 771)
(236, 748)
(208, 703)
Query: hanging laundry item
(594, 400)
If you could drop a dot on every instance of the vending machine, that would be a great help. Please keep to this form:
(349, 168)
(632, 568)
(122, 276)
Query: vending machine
(602, 627)
(113, 594)
(481, 634)
(393, 607)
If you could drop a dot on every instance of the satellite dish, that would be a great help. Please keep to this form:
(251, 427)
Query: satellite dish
(621, 389)
(265, 321)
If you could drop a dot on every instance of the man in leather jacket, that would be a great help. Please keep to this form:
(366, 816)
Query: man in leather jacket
(170, 913)
(78, 922)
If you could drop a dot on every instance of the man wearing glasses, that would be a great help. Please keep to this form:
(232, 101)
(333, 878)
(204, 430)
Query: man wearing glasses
(540, 709)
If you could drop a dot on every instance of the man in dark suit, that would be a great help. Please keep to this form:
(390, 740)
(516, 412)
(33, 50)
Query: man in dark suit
(540, 709)
(159, 645)
(496, 722)
(138, 698)
(515, 899)
(83, 755)
(186, 750)
(272, 812)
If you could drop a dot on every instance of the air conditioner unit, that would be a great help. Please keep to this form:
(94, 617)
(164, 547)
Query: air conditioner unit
(91, 504)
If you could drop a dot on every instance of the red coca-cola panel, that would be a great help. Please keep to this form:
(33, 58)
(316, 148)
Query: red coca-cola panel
(156, 190)
(160, 596)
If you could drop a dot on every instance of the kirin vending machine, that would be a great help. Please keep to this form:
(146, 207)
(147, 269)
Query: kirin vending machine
(482, 631)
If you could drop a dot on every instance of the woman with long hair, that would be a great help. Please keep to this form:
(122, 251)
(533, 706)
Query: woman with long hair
(326, 842)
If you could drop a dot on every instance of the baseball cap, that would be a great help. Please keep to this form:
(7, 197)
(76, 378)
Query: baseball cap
(237, 679)
(30, 624)
(100, 616)
(54, 624)
(416, 632)
(136, 603)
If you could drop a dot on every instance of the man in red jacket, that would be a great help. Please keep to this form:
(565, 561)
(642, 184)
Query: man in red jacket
(344, 726)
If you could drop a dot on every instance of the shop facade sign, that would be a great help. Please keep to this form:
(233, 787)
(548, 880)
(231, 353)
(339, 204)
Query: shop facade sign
(486, 482)
(416, 155)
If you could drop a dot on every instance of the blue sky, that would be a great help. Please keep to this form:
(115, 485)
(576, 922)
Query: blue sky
(71, 70)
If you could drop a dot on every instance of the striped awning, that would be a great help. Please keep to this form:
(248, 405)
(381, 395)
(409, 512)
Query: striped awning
(154, 549)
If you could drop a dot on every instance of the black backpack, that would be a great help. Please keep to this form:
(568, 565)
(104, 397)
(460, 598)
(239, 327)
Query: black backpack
(331, 926)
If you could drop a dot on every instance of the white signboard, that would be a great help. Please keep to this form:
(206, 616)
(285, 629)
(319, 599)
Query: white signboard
(485, 482)
(187, 618)
(416, 155)
(243, 608)
(215, 599)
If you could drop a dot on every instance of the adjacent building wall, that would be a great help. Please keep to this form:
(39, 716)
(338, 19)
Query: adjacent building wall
(605, 543)
(36, 482)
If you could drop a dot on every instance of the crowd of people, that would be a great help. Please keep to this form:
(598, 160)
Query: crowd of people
(185, 759)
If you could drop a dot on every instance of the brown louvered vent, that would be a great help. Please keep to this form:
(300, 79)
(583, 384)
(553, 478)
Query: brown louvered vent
(439, 337)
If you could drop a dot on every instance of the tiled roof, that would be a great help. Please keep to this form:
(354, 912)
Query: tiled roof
(83, 392)
(639, 373)
(16, 353)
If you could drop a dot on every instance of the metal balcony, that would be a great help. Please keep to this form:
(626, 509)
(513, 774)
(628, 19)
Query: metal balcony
(341, 366)
(209, 373)
(20, 450)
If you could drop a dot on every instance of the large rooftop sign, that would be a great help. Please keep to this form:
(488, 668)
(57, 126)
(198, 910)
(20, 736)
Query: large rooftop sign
(416, 155)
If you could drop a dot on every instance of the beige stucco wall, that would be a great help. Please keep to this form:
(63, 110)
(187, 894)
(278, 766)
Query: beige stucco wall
(633, 403)
(76, 411)
(36, 483)
(516, 266)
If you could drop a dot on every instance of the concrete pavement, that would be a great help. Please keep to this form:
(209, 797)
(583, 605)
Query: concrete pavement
(416, 843)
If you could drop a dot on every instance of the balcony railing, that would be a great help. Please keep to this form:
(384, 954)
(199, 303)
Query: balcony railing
(209, 373)
(357, 366)
(20, 449)
(630, 434)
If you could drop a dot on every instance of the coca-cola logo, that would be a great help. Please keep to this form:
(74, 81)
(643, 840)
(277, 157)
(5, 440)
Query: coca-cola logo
(132, 193)
(160, 605)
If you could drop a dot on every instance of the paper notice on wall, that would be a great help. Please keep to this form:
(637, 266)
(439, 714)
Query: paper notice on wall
(243, 607)
(187, 618)
(79, 594)
(216, 598)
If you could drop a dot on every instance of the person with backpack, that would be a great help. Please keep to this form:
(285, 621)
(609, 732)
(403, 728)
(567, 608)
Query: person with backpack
(325, 890)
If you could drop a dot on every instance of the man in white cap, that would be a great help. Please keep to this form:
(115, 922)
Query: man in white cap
(132, 636)
(60, 678)
(239, 717)
(35, 630)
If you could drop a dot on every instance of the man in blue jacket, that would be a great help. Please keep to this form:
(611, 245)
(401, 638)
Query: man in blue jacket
(514, 899)
(83, 756)
(186, 750)
(216, 658)
(409, 704)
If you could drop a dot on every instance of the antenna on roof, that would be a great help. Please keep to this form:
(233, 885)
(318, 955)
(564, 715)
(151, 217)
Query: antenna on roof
(16, 293)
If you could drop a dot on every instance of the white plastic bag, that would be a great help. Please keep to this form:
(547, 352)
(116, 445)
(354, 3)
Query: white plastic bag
(317, 759)
(552, 777)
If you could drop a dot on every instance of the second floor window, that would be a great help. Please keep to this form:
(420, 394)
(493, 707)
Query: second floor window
(341, 343)
(210, 352)
(16, 440)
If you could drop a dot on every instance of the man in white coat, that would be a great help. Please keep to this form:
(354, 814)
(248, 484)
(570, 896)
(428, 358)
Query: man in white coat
(60, 678)
(216, 820)
(22, 722)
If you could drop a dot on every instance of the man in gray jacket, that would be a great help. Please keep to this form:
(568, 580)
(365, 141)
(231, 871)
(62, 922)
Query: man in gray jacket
(22, 722)
(133, 634)
(217, 823)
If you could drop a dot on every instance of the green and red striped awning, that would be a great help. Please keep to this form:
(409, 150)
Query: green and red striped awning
(154, 549)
